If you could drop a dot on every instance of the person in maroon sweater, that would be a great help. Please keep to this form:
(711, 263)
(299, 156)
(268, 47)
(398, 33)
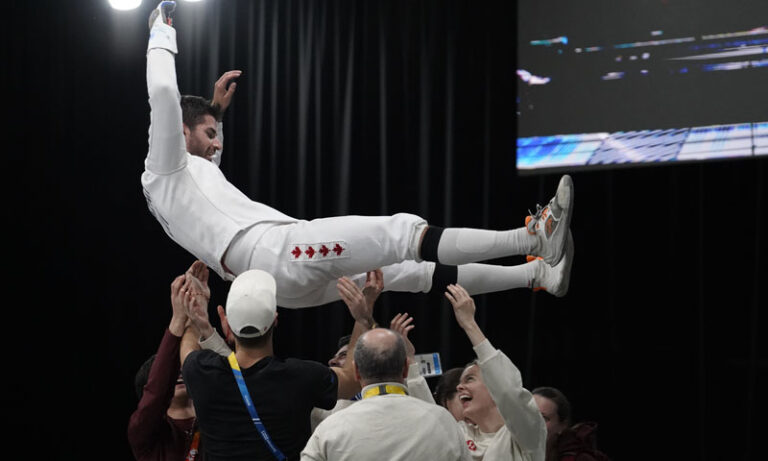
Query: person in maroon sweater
(163, 427)
(566, 441)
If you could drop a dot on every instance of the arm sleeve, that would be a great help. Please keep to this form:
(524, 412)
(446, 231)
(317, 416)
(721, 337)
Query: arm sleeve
(313, 449)
(516, 404)
(323, 385)
(417, 384)
(167, 148)
(147, 421)
(216, 344)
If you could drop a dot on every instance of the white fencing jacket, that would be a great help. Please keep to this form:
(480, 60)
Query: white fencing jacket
(392, 427)
(190, 197)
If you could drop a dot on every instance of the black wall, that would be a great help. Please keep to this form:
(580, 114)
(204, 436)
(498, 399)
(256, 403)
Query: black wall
(659, 339)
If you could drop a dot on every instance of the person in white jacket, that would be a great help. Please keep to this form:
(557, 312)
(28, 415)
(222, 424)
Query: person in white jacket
(501, 419)
(208, 216)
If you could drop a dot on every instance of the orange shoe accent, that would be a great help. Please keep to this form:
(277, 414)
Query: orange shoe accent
(527, 220)
(539, 289)
(549, 225)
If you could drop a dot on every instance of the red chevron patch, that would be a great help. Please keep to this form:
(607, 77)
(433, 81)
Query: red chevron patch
(319, 251)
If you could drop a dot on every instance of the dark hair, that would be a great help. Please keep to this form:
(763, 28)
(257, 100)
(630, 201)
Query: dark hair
(379, 364)
(259, 341)
(343, 341)
(563, 405)
(143, 375)
(193, 108)
(446, 385)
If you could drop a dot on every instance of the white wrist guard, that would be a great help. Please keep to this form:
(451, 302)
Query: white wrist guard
(162, 36)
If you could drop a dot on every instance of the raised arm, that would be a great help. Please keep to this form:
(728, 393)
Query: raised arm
(200, 334)
(167, 147)
(195, 295)
(223, 90)
(417, 384)
(360, 304)
(149, 417)
(197, 304)
(502, 378)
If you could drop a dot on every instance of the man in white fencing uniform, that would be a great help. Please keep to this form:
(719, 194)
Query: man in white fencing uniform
(209, 217)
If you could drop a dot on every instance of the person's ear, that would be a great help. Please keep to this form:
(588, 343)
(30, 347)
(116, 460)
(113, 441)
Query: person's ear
(228, 335)
(405, 370)
(187, 136)
(357, 372)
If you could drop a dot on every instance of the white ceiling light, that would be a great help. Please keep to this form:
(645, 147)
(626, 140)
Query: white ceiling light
(124, 4)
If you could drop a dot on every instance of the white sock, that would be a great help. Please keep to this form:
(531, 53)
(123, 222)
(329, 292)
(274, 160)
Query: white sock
(461, 245)
(487, 278)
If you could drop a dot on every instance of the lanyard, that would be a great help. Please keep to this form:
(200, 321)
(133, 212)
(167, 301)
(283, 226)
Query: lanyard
(251, 409)
(193, 448)
(382, 389)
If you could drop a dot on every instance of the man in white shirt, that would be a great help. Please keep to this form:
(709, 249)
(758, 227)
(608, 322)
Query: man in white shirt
(339, 359)
(387, 423)
(209, 217)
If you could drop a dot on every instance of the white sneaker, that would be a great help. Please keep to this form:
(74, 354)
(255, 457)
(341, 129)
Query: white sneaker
(551, 224)
(162, 13)
(554, 280)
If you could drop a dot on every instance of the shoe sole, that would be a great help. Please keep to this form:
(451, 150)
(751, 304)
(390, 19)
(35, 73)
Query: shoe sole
(570, 249)
(565, 194)
(566, 183)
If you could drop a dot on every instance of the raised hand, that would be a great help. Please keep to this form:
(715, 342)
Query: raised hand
(196, 304)
(223, 90)
(463, 304)
(200, 271)
(179, 317)
(163, 11)
(464, 309)
(355, 300)
(401, 323)
(374, 285)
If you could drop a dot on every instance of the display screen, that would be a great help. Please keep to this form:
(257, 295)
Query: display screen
(628, 83)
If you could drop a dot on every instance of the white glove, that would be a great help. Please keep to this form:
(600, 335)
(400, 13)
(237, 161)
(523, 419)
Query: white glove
(161, 34)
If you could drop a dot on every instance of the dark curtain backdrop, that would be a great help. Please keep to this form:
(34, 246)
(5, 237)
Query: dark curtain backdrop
(365, 107)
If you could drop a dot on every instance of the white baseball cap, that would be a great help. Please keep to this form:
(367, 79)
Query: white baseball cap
(251, 303)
